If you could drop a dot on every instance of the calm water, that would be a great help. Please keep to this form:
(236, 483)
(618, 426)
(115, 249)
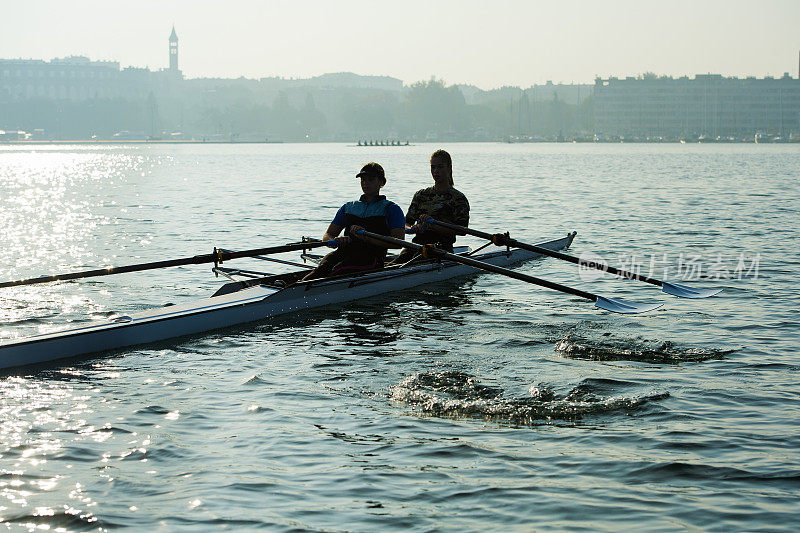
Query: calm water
(483, 404)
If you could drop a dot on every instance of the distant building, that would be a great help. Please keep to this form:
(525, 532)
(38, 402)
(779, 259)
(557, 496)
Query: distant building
(77, 78)
(341, 80)
(70, 78)
(708, 105)
(570, 93)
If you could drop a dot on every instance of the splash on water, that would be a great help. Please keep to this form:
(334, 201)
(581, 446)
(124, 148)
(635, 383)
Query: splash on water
(457, 394)
(658, 352)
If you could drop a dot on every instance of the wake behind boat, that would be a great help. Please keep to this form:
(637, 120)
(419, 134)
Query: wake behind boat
(258, 297)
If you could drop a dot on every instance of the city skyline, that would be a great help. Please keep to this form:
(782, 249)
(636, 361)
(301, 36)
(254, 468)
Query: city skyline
(514, 43)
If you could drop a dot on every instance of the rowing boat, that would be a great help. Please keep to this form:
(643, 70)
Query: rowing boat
(258, 297)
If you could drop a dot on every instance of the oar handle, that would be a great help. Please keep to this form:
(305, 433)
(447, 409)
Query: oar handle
(502, 239)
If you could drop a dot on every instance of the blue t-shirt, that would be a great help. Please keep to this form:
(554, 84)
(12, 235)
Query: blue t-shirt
(380, 206)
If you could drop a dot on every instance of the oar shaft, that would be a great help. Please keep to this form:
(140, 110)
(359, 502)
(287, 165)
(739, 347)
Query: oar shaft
(482, 265)
(501, 239)
(195, 260)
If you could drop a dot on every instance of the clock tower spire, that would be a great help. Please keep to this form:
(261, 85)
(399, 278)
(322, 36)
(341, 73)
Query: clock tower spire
(173, 51)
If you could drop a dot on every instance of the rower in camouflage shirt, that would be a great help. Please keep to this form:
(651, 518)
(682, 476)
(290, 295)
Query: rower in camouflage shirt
(442, 202)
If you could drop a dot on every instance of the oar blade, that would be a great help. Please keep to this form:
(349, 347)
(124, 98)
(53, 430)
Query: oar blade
(615, 305)
(684, 291)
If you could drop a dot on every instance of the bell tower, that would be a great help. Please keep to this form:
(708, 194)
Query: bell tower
(173, 51)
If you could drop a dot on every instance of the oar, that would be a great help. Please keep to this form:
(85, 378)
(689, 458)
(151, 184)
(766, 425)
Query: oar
(501, 239)
(609, 304)
(217, 257)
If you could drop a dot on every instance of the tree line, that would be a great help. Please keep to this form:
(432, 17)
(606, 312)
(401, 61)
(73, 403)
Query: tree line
(244, 110)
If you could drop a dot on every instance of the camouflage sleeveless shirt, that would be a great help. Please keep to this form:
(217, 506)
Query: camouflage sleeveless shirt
(448, 206)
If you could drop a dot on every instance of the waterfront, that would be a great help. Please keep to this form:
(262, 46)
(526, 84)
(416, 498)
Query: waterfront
(491, 404)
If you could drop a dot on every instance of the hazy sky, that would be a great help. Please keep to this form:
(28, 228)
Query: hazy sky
(484, 43)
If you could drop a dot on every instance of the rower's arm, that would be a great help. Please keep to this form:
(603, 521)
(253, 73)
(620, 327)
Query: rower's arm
(397, 233)
(442, 231)
(420, 225)
(332, 232)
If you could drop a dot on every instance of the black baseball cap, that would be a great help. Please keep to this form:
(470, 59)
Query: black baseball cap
(372, 170)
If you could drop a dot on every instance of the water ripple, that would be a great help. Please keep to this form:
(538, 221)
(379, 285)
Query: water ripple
(476, 404)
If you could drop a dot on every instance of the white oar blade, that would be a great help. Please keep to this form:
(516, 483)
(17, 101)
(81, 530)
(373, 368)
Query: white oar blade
(684, 291)
(621, 306)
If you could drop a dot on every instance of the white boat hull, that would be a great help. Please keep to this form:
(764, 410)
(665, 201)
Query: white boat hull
(246, 305)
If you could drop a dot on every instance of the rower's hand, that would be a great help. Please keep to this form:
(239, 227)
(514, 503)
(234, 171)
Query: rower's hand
(354, 229)
(421, 225)
(343, 240)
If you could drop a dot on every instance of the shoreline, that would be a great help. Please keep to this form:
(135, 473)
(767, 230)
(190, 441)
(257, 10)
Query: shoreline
(113, 142)
(84, 141)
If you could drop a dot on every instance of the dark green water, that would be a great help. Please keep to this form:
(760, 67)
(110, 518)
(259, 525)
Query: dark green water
(482, 404)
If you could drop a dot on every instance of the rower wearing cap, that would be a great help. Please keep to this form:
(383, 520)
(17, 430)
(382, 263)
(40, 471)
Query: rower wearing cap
(372, 212)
